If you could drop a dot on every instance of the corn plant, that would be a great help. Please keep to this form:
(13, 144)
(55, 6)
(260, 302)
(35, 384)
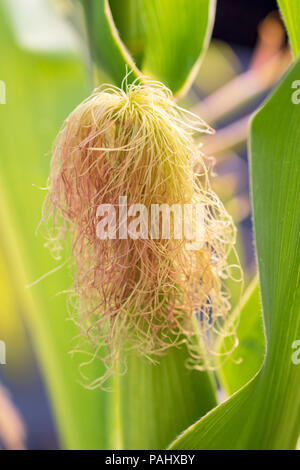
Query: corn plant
(134, 379)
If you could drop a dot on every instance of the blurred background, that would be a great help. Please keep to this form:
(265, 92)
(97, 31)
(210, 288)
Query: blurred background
(46, 70)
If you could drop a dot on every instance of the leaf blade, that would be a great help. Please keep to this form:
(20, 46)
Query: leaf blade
(30, 118)
(248, 357)
(265, 414)
(165, 38)
(160, 400)
(173, 51)
(290, 10)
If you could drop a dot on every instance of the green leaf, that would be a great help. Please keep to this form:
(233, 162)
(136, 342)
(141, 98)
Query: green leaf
(41, 90)
(128, 18)
(158, 34)
(176, 34)
(107, 49)
(265, 414)
(248, 357)
(291, 14)
(159, 401)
